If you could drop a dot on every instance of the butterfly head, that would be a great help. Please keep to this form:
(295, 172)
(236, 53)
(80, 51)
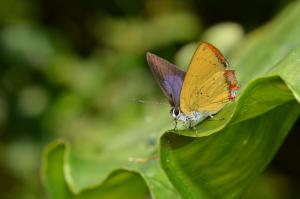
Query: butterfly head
(175, 112)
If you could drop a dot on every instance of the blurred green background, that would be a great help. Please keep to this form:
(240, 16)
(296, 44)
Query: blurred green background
(75, 69)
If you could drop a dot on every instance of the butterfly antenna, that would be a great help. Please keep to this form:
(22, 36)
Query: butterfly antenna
(149, 102)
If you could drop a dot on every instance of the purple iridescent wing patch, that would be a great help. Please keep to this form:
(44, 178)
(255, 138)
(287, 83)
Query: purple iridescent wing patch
(168, 76)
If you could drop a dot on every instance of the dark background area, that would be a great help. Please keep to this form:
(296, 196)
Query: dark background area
(63, 63)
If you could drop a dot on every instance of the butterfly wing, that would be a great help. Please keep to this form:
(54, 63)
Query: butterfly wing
(205, 87)
(168, 76)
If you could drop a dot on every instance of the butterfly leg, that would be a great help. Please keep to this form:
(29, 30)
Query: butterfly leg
(196, 131)
(192, 127)
(214, 118)
(175, 125)
(190, 124)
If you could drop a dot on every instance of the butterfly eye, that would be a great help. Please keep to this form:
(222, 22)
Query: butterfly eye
(175, 111)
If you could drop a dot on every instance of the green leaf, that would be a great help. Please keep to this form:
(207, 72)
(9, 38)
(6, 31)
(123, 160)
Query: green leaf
(218, 160)
(52, 171)
(57, 173)
(223, 164)
(118, 171)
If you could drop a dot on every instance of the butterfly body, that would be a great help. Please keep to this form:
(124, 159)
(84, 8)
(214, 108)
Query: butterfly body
(191, 119)
(200, 92)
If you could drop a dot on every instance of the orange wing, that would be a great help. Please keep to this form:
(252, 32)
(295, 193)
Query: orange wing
(205, 87)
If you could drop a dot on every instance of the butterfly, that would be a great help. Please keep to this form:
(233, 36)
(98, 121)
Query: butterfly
(202, 91)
